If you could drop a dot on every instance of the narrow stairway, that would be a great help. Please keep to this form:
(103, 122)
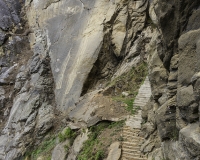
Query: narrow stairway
(132, 137)
(144, 94)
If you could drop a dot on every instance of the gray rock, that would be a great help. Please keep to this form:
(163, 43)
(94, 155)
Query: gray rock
(166, 121)
(189, 138)
(77, 145)
(114, 151)
(156, 154)
(119, 31)
(45, 119)
(169, 149)
(172, 85)
(9, 15)
(174, 62)
(149, 128)
(187, 62)
(2, 37)
(163, 99)
(60, 152)
(185, 96)
(173, 76)
(30, 112)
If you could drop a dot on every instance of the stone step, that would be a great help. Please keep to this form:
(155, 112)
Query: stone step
(130, 143)
(138, 144)
(139, 104)
(131, 147)
(131, 130)
(146, 90)
(131, 154)
(131, 158)
(128, 127)
(136, 118)
(132, 138)
(143, 96)
(141, 100)
(144, 93)
(131, 150)
(138, 121)
(127, 132)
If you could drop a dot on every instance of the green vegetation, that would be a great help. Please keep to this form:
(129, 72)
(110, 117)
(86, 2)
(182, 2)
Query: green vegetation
(95, 148)
(68, 133)
(175, 134)
(129, 103)
(104, 133)
(117, 125)
(67, 149)
(129, 82)
(44, 149)
(150, 23)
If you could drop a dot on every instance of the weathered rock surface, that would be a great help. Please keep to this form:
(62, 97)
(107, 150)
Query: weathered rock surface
(60, 152)
(57, 56)
(175, 102)
(77, 145)
(114, 151)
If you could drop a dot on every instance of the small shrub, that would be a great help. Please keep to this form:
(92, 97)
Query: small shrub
(94, 148)
(120, 138)
(44, 148)
(68, 134)
(66, 147)
(99, 155)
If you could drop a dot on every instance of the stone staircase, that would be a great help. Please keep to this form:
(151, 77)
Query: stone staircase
(144, 94)
(132, 137)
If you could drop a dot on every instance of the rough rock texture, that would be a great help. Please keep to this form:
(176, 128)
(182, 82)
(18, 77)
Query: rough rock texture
(78, 44)
(173, 67)
(71, 32)
(27, 96)
(114, 151)
(57, 57)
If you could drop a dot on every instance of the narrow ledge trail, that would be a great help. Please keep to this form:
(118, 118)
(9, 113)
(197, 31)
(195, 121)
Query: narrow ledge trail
(131, 133)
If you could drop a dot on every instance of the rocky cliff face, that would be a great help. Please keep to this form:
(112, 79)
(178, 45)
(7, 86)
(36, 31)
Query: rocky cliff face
(172, 115)
(63, 61)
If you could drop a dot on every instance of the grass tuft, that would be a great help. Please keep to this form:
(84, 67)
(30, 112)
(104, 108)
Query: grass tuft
(93, 148)
(129, 82)
(67, 134)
